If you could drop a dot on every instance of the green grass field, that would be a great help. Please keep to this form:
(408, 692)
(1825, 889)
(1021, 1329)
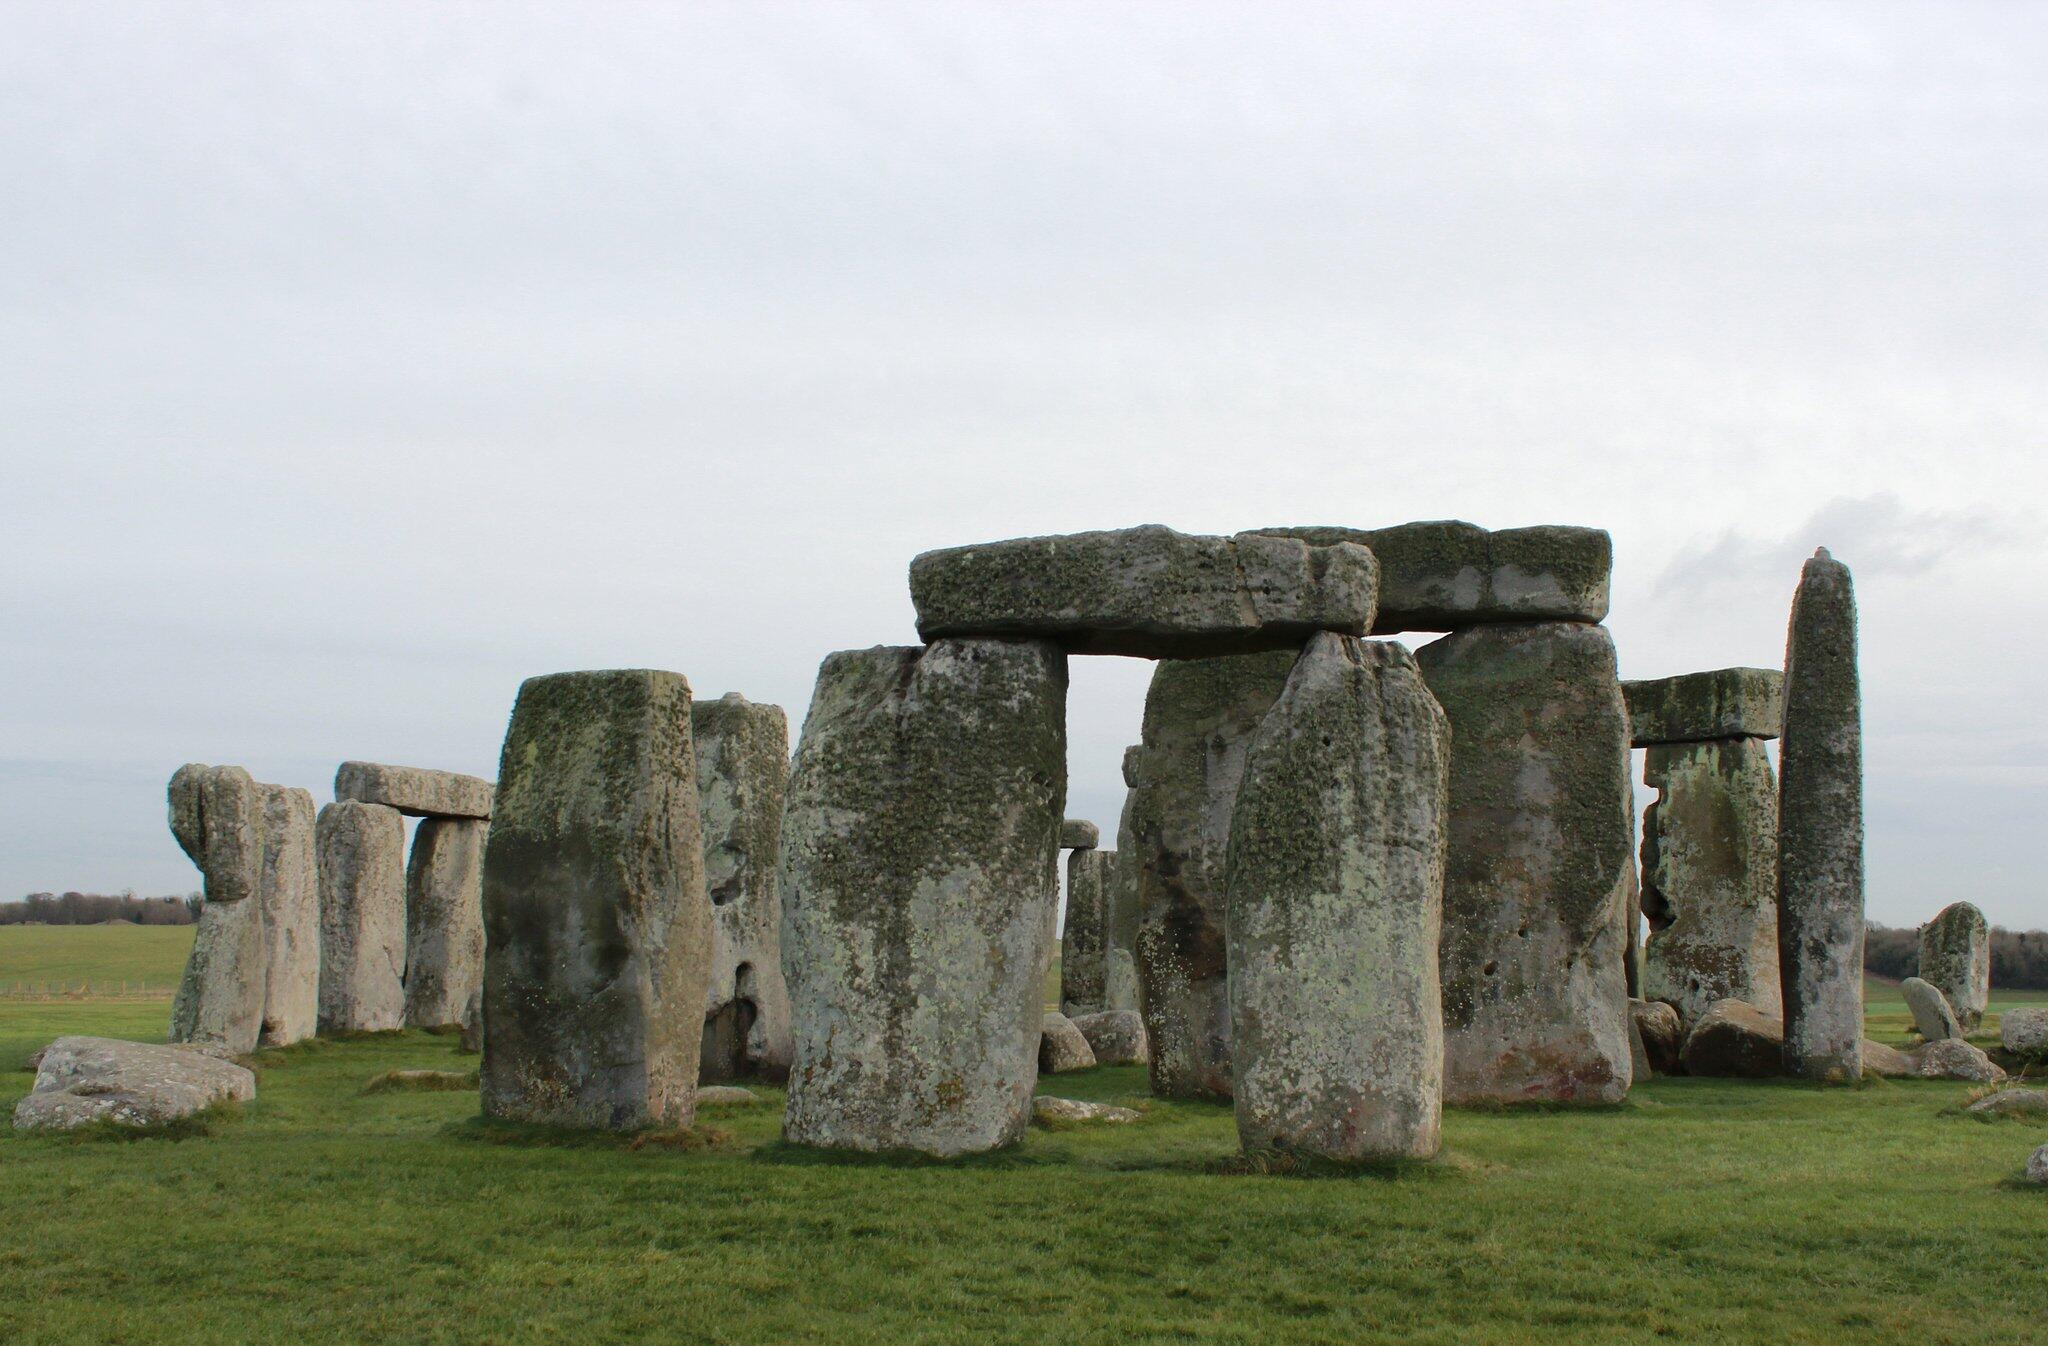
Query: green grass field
(100, 953)
(1701, 1211)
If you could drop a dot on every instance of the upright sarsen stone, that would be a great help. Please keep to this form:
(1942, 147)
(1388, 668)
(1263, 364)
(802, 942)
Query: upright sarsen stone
(1820, 829)
(216, 813)
(1955, 956)
(742, 772)
(444, 920)
(1120, 918)
(1083, 971)
(1200, 717)
(1335, 875)
(1541, 826)
(289, 890)
(361, 849)
(597, 926)
(918, 844)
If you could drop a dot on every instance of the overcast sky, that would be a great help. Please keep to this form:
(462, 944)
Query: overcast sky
(359, 360)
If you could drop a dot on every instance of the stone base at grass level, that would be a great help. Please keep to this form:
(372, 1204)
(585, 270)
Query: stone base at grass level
(1055, 1110)
(81, 1080)
(1117, 1037)
(1734, 1040)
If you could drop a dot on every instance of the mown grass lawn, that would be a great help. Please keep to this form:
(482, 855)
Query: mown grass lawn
(98, 953)
(1700, 1211)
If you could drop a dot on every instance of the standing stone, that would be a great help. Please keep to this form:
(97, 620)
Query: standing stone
(1955, 955)
(289, 889)
(1200, 717)
(742, 772)
(1120, 910)
(361, 851)
(1820, 830)
(1710, 876)
(217, 817)
(1932, 1015)
(918, 850)
(1335, 876)
(1541, 826)
(1090, 875)
(597, 927)
(444, 920)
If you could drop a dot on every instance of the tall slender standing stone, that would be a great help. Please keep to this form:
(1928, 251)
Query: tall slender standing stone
(1955, 955)
(597, 925)
(1083, 974)
(289, 890)
(918, 844)
(742, 773)
(444, 920)
(217, 817)
(1200, 717)
(1335, 875)
(1541, 829)
(1820, 830)
(361, 850)
(1120, 918)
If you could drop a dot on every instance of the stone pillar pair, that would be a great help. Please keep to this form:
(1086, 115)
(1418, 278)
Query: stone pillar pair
(1084, 935)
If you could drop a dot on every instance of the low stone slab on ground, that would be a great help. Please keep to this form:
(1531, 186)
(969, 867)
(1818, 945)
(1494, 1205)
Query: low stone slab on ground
(1062, 1048)
(1955, 1059)
(1888, 1061)
(2023, 1031)
(1931, 1013)
(415, 790)
(1117, 1037)
(1045, 1110)
(1695, 707)
(82, 1080)
(2012, 1103)
(1735, 1040)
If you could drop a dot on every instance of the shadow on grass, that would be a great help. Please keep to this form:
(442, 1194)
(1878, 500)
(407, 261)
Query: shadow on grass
(423, 1082)
(1010, 1157)
(1285, 1164)
(528, 1135)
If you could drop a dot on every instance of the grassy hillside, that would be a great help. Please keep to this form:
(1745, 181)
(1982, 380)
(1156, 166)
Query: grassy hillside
(100, 953)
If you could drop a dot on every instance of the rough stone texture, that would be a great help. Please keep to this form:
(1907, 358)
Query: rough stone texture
(1061, 1047)
(1736, 1040)
(597, 926)
(2037, 1166)
(1632, 933)
(1447, 575)
(918, 846)
(1955, 955)
(361, 851)
(473, 1022)
(1820, 829)
(2012, 1103)
(1638, 1054)
(1078, 834)
(2023, 1031)
(82, 1080)
(1695, 707)
(1117, 1037)
(1120, 918)
(289, 890)
(444, 920)
(1710, 876)
(1930, 1008)
(726, 1095)
(742, 773)
(1335, 875)
(1147, 591)
(1662, 1032)
(217, 817)
(1888, 1061)
(415, 790)
(1053, 1111)
(1090, 875)
(1541, 835)
(1200, 716)
(1955, 1059)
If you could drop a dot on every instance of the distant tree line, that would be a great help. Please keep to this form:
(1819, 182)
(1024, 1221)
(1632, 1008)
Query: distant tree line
(97, 908)
(2019, 958)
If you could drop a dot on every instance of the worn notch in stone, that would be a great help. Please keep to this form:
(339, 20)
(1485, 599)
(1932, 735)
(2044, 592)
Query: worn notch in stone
(415, 791)
(1693, 707)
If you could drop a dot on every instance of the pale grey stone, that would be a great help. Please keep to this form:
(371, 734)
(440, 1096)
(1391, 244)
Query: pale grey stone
(1930, 1008)
(742, 773)
(1696, 707)
(1820, 829)
(289, 891)
(84, 1079)
(1955, 955)
(1200, 716)
(1146, 591)
(597, 927)
(1710, 876)
(2023, 1031)
(361, 849)
(444, 920)
(1888, 1061)
(1062, 1048)
(1117, 1037)
(473, 1023)
(918, 844)
(217, 817)
(1083, 966)
(1078, 834)
(414, 790)
(1055, 1111)
(1955, 1059)
(1735, 1040)
(1541, 835)
(2012, 1103)
(1335, 875)
(2037, 1166)
(1120, 919)
(726, 1096)
(1662, 1034)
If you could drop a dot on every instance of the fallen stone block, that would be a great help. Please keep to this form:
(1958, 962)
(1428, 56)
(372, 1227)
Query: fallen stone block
(2012, 1103)
(1117, 1037)
(415, 790)
(1696, 707)
(1931, 1013)
(1062, 1048)
(1888, 1061)
(1955, 1059)
(84, 1079)
(1955, 956)
(2023, 1031)
(1053, 1111)
(1734, 1040)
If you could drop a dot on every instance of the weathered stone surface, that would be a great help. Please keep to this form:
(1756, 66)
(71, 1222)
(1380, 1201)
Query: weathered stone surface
(1632, 933)
(1147, 591)
(1888, 1061)
(1955, 1059)
(1054, 1111)
(2012, 1103)
(1638, 1054)
(1736, 1040)
(82, 1080)
(1662, 1032)
(1117, 1037)
(1061, 1047)
(1931, 1013)
(1083, 970)
(361, 850)
(1695, 707)
(1955, 955)
(1820, 829)
(2037, 1166)
(1078, 834)
(473, 1023)
(1710, 876)
(2023, 1031)
(597, 927)
(444, 920)
(289, 891)
(1120, 918)
(217, 817)
(726, 1096)
(414, 790)
(1447, 575)
(1200, 716)
(918, 846)
(1334, 876)
(742, 772)
(1535, 999)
